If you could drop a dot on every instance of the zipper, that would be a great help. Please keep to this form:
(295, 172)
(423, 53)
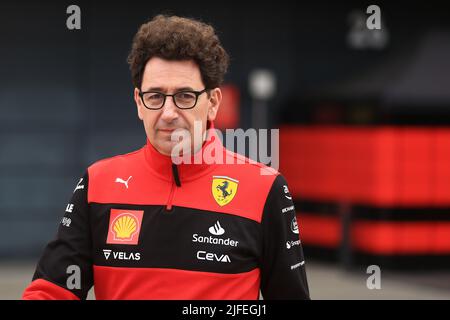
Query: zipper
(169, 201)
(176, 183)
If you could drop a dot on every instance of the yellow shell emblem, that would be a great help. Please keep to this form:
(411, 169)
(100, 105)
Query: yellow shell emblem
(124, 227)
(224, 189)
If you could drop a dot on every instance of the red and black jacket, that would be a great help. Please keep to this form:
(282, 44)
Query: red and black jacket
(140, 227)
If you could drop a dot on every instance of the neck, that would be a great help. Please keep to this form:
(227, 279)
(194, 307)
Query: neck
(188, 165)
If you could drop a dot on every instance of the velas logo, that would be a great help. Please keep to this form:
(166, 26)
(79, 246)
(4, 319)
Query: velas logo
(124, 226)
(224, 189)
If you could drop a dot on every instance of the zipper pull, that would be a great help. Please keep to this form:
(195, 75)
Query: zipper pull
(176, 183)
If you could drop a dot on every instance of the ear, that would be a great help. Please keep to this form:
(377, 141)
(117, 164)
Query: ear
(214, 102)
(139, 105)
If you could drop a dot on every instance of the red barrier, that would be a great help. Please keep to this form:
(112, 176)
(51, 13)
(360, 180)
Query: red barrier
(381, 166)
(375, 237)
(399, 238)
(228, 117)
(321, 231)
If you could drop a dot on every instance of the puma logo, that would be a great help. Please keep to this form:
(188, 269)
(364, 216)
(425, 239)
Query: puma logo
(120, 180)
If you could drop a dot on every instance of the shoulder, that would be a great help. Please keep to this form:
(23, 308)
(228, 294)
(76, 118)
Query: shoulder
(104, 175)
(265, 180)
(252, 179)
(115, 164)
(250, 168)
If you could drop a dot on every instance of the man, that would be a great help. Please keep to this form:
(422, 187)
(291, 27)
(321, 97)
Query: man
(141, 226)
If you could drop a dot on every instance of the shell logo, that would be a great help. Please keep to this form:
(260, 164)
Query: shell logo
(124, 226)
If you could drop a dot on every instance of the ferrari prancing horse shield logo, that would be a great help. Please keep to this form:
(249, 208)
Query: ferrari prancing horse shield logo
(224, 189)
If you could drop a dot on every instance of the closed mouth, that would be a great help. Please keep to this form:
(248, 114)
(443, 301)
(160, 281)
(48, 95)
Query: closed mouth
(166, 130)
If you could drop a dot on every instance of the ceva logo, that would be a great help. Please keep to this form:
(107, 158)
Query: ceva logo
(203, 255)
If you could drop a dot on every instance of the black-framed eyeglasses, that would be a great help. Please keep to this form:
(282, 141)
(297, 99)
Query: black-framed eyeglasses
(186, 99)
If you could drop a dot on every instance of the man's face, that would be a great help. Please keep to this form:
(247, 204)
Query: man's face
(170, 77)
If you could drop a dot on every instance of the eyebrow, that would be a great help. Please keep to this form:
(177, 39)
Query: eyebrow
(160, 89)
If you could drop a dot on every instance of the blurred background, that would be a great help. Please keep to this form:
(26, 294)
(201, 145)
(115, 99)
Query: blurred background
(364, 119)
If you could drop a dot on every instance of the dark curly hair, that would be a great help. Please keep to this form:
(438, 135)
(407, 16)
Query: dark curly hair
(177, 38)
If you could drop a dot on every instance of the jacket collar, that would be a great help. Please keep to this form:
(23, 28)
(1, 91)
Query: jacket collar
(163, 166)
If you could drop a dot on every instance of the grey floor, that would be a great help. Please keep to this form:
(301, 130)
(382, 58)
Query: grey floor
(326, 281)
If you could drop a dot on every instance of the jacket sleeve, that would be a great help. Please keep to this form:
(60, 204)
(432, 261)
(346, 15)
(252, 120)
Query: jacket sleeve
(64, 271)
(283, 274)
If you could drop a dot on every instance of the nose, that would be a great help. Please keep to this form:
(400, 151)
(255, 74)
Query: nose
(169, 110)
